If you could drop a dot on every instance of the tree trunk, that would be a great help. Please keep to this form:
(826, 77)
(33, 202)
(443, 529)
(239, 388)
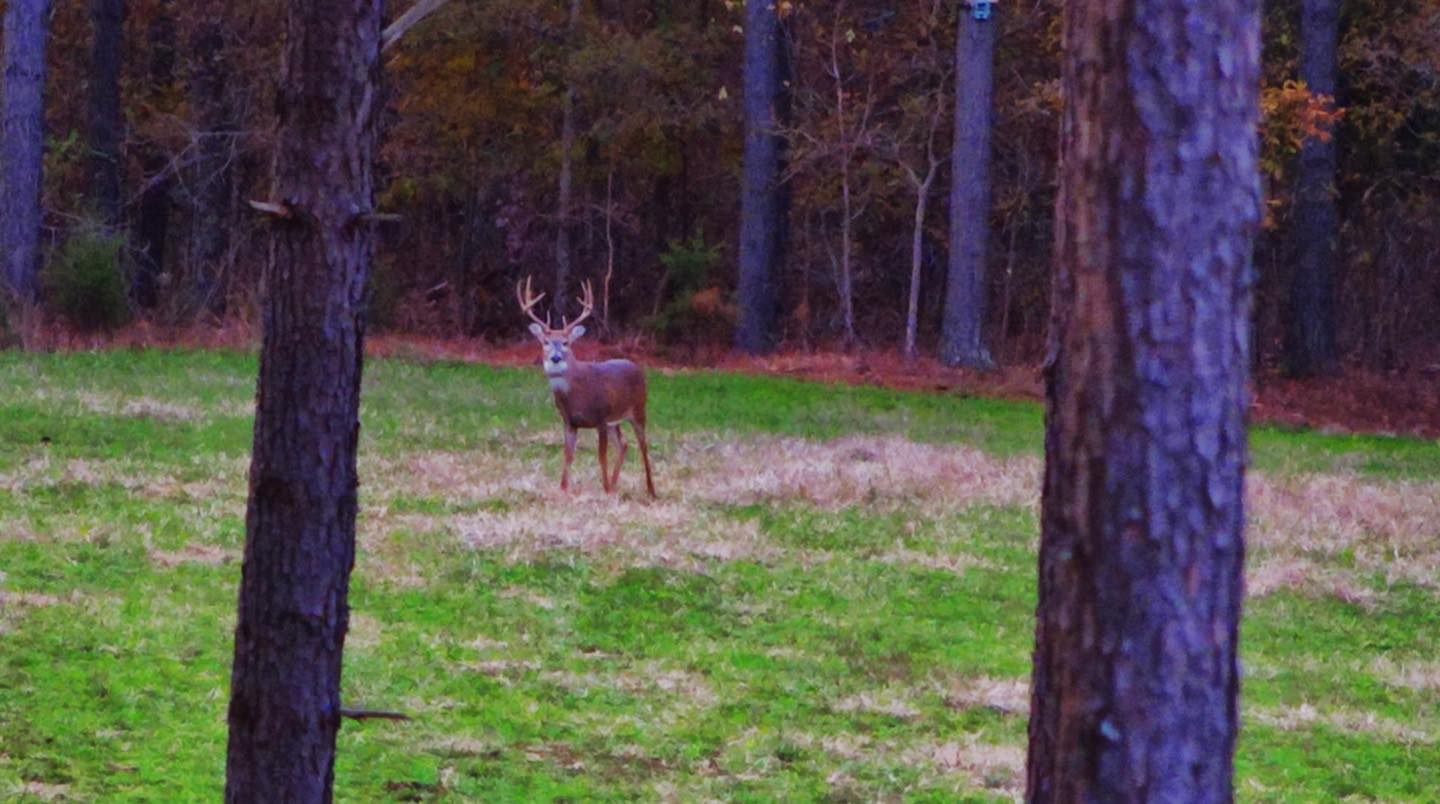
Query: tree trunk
(764, 211)
(153, 226)
(300, 522)
(1135, 671)
(106, 54)
(567, 162)
(917, 255)
(22, 143)
(214, 170)
(962, 341)
(847, 269)
(1311, 342)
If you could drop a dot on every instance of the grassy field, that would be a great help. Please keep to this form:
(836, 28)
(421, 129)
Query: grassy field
(833, 598)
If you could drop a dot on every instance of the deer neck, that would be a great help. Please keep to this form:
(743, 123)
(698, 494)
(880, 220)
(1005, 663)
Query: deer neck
(560, 383)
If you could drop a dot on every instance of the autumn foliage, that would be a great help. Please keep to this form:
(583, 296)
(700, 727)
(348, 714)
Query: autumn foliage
(471, 155)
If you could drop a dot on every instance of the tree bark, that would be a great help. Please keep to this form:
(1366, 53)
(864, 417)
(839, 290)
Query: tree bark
(962, 340)
(300, 521)
(1136, 679)
(567, 181)
(847, 268)
(764, 211)
(153, 226)
(1311, 336)
(214, 170)
(107, 52)
(22, 144)
(917, 256)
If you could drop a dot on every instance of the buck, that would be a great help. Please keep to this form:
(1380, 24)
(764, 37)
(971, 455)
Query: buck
(599, 396)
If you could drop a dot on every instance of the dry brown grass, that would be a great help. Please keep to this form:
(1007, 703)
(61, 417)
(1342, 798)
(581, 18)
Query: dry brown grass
(690, 690)
(1322, 535)
(667, 534)
(896, 703)
(1305, 716)
(1000, 768)
(14, 606)
(1419, 676)
(364, 632)
(195, 553)
(225, 478)
(685, 529)
(859, 470)
(31, 600)
(1303, 526)
(141, 407)
(1008, 696)
(1300, 526)
(42, 791)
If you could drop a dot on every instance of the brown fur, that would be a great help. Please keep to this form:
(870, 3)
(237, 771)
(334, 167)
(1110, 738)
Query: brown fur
(601, 396)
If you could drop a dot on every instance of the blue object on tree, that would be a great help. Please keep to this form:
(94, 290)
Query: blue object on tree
(980, 9)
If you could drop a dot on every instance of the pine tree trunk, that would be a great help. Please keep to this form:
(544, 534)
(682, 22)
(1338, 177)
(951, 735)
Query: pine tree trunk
(962, 339)
(153, 226)
(1136, 678)
(214, 169)
(567, 180)
(300, 522)
(764, 212)
(22, 143)
(106, 54)
(1311, 336)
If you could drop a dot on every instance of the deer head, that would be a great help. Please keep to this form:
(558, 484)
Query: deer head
(555, 343)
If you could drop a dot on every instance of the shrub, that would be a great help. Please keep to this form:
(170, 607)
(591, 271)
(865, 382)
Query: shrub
(697, 309)
(85, 283)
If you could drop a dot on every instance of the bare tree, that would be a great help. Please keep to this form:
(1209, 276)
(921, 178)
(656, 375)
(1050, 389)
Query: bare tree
(845, 131)
(962, 339)
(152, 226)
(764, 211)
(22, 143)
(300, 521)
(1136, 680)
(854, 133)
(210, 73)
(911, 144)
(922, 185)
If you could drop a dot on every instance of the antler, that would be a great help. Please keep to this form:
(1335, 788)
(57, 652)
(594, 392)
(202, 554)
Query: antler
(587, 301)
(528, 300)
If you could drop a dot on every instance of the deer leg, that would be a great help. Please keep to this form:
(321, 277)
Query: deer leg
(570, 435)
(604, 432)
(639, 425)
(619, 458)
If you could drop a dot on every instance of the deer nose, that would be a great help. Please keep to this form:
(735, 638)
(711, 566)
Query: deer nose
(556, 358)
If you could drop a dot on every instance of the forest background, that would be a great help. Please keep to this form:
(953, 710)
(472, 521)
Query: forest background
(145, 199)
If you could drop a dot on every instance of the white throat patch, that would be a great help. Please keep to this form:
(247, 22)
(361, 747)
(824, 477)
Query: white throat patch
(559, 384)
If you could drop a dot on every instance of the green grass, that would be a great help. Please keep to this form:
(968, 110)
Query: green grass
(826, 659)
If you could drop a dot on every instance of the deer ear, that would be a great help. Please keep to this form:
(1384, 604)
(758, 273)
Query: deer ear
(576, 333)
(538, 331)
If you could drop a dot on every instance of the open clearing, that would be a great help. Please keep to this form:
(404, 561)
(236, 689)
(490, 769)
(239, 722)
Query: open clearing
(833, 598)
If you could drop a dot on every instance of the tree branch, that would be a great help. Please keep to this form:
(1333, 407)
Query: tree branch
(408, 20)
(372, 714)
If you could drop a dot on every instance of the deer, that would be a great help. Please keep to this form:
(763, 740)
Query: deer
(589, 395)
